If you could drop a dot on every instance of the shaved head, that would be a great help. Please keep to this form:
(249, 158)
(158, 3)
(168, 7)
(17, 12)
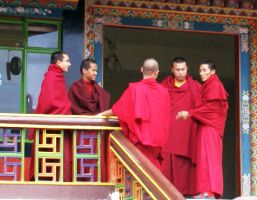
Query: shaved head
(150, 66)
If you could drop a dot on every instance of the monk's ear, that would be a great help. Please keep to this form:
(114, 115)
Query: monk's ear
(84, 70)
(142, 69)
(157, 73)
(213, 71)
(58, 62)
(171, 69)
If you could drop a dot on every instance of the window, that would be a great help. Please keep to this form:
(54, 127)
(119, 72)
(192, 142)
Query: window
(42, 35)
(31, 42)
(11, 35)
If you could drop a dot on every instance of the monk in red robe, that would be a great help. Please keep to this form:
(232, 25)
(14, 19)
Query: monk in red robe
(178, 153)
(53, 99)
(211, 113)
(144, 113)
(88, 98)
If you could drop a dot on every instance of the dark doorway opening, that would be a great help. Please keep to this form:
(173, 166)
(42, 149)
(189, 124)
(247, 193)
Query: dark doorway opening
(125, 48)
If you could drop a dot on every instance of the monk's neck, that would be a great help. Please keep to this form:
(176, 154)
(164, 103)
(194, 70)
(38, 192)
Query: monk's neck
(179, 83)
(87, 81)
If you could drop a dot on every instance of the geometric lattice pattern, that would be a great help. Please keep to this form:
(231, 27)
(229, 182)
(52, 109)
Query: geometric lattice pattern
(127, 186)
(49, 155)
(86, 147)
(10, 168)
(11, 154)
(86, 169)
(10, 139)
(49, 141)
(137, 190)
(86, 142)
(146, 196)
(49, 169)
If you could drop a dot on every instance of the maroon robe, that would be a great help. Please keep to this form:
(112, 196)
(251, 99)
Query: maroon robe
(90, 101)
(144, 114)
(53, 99)
(84, 102)
(179, 152)
(211, 114)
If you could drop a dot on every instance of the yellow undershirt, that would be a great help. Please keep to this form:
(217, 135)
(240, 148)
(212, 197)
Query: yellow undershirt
(179, 83)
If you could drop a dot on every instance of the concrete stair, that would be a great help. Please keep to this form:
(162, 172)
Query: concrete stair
(63, 191)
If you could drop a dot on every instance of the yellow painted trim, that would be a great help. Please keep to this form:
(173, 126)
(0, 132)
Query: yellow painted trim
(52, 126)
(60, 127)
(56, 116)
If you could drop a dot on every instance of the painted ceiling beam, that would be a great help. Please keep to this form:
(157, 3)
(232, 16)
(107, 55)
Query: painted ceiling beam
(51, 4)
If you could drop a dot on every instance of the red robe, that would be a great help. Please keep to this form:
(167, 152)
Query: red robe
(90, 101)
(144, 114)
(211, 114)
(53, 99)
(179, 152)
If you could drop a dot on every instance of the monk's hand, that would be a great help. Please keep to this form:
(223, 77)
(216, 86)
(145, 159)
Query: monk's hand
(99, 115)
(182, 115)
(106, 113)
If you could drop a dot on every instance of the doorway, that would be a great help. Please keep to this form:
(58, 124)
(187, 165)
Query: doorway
(125, 48)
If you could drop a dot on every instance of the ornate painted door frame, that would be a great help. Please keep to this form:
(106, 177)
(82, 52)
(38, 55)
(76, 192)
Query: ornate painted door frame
(242, 27)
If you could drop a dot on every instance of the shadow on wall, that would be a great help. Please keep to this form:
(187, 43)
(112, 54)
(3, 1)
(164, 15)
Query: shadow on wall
(73, 40)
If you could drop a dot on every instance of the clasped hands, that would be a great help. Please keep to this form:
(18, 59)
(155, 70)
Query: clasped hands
(182, 115)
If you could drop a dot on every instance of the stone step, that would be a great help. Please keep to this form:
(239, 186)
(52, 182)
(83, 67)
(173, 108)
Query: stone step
(99, 191)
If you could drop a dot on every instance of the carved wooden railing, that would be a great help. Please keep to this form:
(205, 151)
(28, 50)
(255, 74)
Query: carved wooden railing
(49, 133)
(134, 176)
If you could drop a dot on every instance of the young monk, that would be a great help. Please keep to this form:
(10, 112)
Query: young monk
(179, 151)
(211, 114)
(53, 99)
(88, 98)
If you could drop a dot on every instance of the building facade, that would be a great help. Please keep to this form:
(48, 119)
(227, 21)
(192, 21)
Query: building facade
(31, 31)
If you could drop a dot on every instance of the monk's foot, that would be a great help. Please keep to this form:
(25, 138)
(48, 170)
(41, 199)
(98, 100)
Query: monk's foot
(205, 195)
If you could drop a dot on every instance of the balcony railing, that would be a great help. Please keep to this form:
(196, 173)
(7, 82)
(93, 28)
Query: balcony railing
(134, 175)
(85, 132)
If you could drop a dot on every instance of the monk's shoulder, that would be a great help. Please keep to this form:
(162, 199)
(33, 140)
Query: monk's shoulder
(163, 89)
(134, 85)
(76, 85)
(215, 83)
